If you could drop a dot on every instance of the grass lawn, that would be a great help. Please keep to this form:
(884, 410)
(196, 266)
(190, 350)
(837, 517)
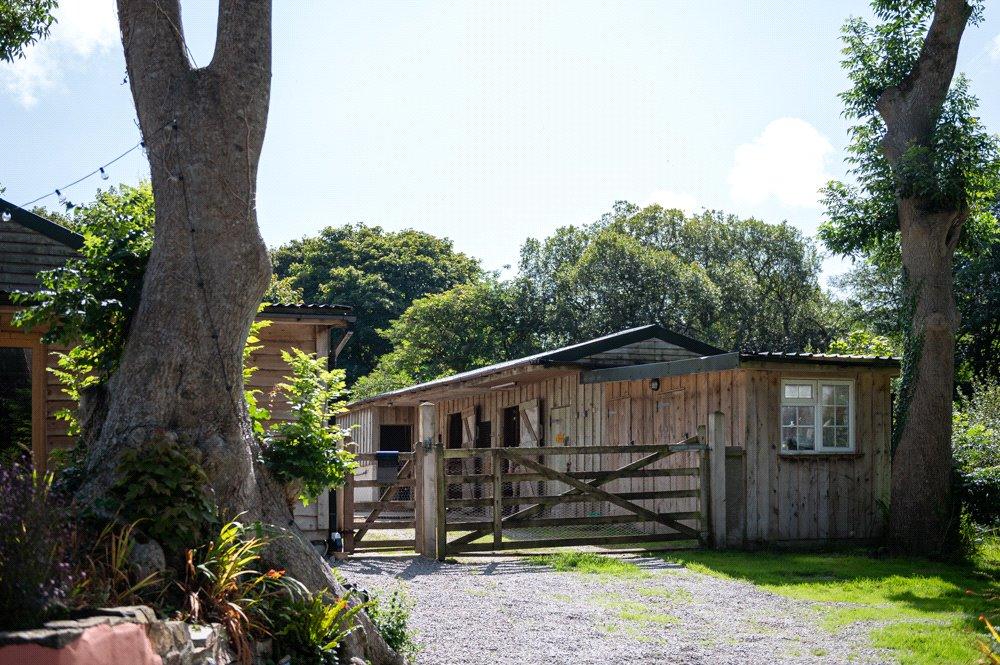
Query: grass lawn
(927, 611)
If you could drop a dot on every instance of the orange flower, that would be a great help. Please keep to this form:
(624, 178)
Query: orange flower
(274, 574)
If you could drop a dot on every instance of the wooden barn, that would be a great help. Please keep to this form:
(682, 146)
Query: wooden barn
(30, 395)
(806, 439)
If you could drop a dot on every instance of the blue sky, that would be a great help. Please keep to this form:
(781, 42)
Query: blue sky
(488, 122)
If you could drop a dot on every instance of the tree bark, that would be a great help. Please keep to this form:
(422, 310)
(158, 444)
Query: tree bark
(181, 369)
(921, 511)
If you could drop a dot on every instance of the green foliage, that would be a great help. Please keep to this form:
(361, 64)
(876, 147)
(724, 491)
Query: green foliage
(391, 615)
(927, 610)
(22, 23)
(258, 414)
(378, 272)
(862, 342)
(465, 327)
(307, 449)
(89, 302)
(739, 283)
(223, 585)
(976, 448)
(311, 627)
(590, 563)
(283, 290)
(163, 487)
(108, 578)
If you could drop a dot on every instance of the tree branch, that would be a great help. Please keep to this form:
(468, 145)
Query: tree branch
(910, 109)
(243, 44)
(153, 40)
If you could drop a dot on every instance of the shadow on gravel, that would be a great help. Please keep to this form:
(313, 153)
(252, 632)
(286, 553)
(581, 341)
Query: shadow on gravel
(413, 566)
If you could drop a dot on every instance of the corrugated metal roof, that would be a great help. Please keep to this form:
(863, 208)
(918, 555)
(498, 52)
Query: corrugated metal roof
(783, 356)
(566, 354)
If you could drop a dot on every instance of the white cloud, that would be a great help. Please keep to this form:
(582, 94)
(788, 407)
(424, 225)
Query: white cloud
(994, 48)
(787, 162)
(670, 199)
(83, 28)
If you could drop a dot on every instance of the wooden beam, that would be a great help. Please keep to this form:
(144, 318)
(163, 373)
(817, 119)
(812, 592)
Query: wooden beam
(602, 495)
(570, 542)
(426, 509)
(689, 445)
(716, 363)
(538, 505)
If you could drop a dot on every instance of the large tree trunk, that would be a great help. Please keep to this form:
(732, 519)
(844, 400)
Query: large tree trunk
(921, 504)
(181, 370)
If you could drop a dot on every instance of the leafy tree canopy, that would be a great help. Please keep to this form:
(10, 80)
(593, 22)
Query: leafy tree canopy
(22, 23)
(739, 283)
(89, 301)
(376, 271)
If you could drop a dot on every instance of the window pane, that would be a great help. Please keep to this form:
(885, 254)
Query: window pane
(798, 391)
(843, 437)
(807, 436)
(836, 394)
(806, 416)
(788, 416)
(789, 438)
(841, 415)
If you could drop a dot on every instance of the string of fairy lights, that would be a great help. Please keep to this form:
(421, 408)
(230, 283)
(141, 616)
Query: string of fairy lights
(101, 171)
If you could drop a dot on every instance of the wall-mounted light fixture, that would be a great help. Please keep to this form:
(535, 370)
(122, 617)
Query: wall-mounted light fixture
(654, 384)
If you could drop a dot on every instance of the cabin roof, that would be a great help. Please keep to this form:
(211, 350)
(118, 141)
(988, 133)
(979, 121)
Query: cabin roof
(827, 358)
(68, 242)
(567, 355)
(38, 224)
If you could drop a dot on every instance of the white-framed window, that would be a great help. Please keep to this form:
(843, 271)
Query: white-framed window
(817, 415)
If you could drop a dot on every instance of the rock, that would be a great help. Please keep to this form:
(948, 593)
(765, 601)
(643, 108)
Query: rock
(147, 559)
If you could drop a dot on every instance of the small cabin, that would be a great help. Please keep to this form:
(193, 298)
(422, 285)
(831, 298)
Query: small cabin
(31, 395)
(807, 434)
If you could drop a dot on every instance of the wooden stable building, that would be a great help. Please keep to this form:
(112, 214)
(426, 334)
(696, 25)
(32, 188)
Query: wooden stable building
(806, 438)
(31, 395)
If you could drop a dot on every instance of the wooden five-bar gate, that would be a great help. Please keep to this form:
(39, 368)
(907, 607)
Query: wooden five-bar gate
(442, 502)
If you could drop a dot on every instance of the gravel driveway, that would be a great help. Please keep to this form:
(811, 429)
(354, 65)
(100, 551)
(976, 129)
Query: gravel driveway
(504, 610)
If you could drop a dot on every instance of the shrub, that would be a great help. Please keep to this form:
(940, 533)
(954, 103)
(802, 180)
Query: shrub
(308, 448)
(163, 487)
(976, 446)
(106, 577)
(35, 532)
(222, 584)
(391, 615)
(311, 628)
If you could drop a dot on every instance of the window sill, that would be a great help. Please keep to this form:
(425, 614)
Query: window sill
(822, 454)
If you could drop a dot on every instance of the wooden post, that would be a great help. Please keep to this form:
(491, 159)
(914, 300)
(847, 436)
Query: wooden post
(705, 498)
(717, 460)
(441, 497)
(347, 528)
(425, 535)
(497, 468)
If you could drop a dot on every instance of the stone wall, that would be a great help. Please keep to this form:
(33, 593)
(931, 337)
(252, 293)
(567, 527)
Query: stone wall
(118, 635)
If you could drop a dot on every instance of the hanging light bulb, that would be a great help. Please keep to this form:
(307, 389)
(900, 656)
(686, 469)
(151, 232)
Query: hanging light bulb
(104, 174)
(5, 216)
(62, 199)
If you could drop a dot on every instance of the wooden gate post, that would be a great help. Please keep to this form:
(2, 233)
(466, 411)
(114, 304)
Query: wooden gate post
(425, 499)
(705, 485)
(441, 498)
(717, 460)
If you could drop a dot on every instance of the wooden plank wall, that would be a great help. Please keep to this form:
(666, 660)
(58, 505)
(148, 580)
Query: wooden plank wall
(785, 498)
(816, 497)
(25, 253)
(272, 369)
